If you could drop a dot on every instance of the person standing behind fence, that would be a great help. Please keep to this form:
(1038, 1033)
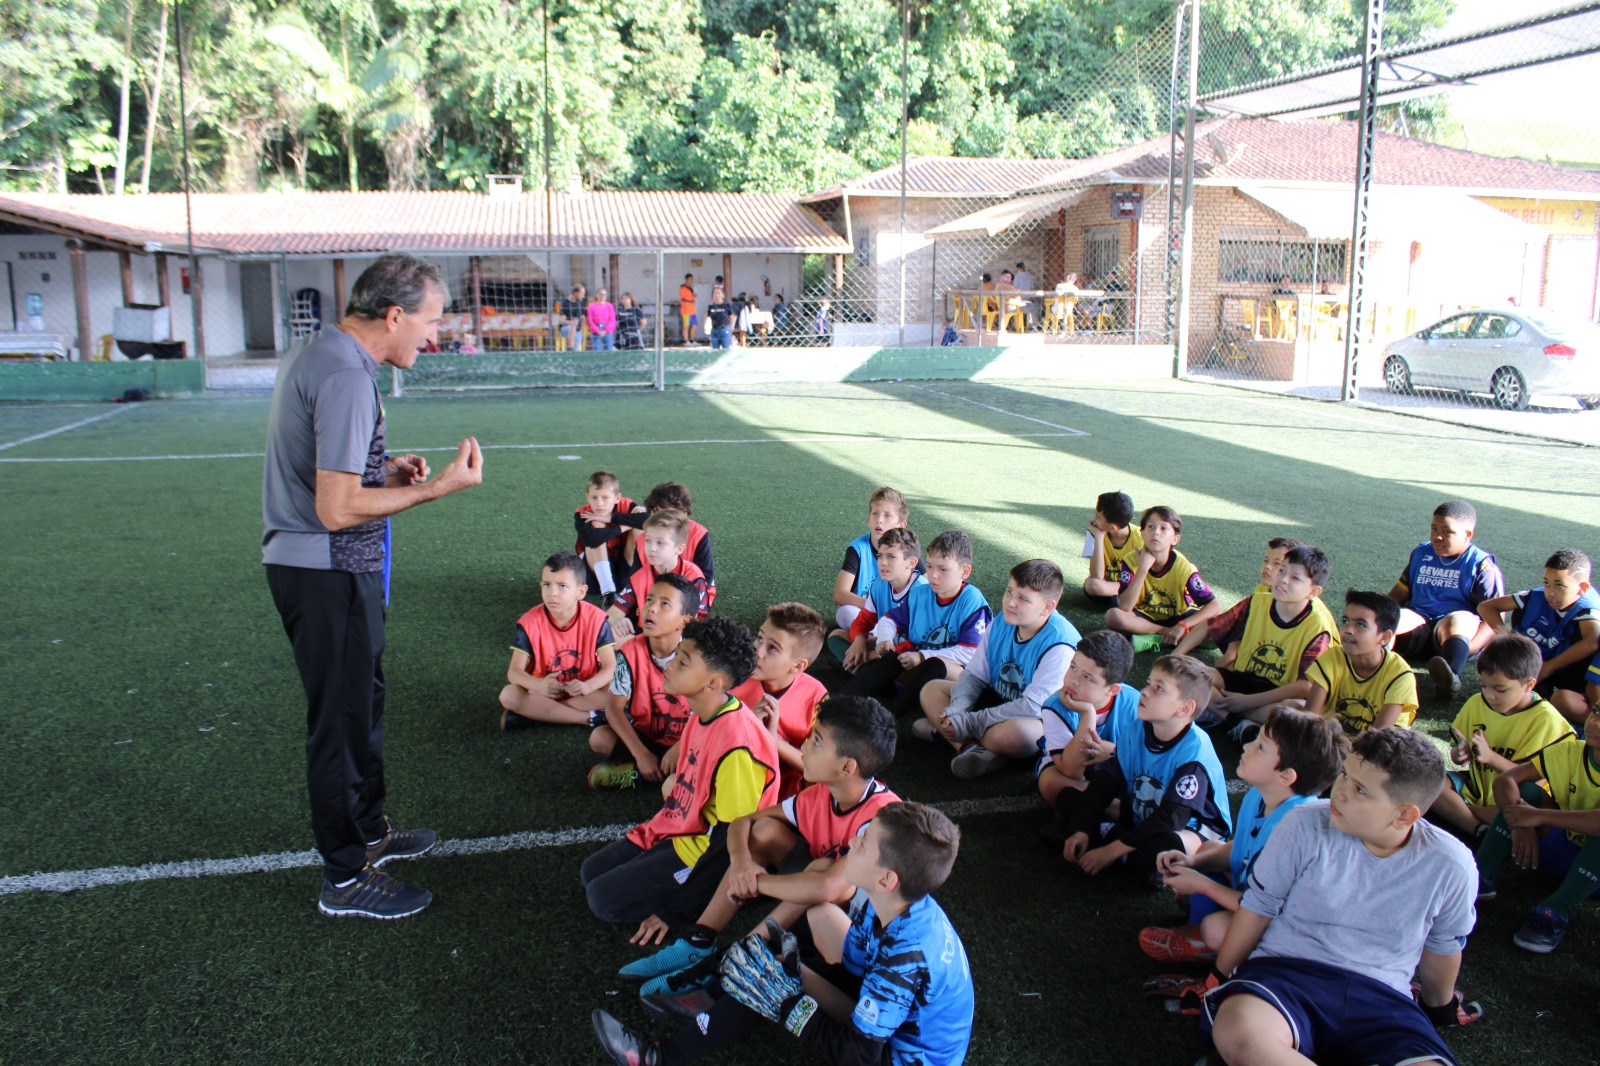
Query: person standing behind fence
(573, 315)
(686, 306)
(630, 324)
(328, 490)
(602, 318)
(719, 319)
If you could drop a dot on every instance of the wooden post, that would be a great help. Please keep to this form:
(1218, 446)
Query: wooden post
(613, 282)
(838, 276)
(476, 274)
(125, 261)
(80, 296)
(727, 275)
(338, 290)
(199, 307)
(163, 285)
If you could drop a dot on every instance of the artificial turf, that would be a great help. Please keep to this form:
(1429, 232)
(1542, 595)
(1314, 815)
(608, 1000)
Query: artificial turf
(152, 712)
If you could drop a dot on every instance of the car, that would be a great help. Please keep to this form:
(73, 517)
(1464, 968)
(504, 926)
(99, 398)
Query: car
(1508, 352)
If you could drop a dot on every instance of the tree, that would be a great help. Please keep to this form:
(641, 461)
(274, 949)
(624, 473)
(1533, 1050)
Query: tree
(51, 53)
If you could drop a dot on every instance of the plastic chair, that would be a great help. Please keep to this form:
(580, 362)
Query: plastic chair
(1285, 319)
(1105, 319)
(104, 354)
(1056, 314)
(991, 313)
(1018, 318)
(965, 307)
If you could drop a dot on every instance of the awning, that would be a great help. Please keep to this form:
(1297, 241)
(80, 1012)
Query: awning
(1395, 214)
(1002, 216)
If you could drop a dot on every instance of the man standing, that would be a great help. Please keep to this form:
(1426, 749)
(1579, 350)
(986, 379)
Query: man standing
(327, 492)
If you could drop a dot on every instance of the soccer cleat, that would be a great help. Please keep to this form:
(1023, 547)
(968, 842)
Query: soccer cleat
(597, 719)
(510, 721)
(701, 974)
(1542, 932)
(373, 894)
(1244, 731)
(1445, 681)
(400, 843)
(1486, 889)
(678, 955)
(975, 760)
(1143, 642)
(923, 729)
(613, 775)
(680, 1007)
(1182, 944)
(623, 1045)
(1452, 1014)
(1179, 994)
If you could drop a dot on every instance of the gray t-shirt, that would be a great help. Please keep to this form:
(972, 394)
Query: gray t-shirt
(326, 415)
(1332, 901)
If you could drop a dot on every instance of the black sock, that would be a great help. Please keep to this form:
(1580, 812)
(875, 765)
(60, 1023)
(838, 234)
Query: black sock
(1455, 652)
(700, 936)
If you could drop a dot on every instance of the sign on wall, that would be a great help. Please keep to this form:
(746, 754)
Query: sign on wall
(1127, 205)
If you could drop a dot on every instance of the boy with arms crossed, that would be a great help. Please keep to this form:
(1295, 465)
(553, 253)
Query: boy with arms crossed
(1563, 618)
(851, 742)
(643, 720)
(1165, 773)
(1360, 681)
(1303, 980)
(932, 634)
(727, 768)
(915, 1002)
(1558, 831)
(1444, 581)
(992, 713)
(1503, 725)
(562, 654)
(606, 525)
(780, 691)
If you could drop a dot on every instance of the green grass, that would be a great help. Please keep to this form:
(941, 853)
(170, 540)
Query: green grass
(152, 712)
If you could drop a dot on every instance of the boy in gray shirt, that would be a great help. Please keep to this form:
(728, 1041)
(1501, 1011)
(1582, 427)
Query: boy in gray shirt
(1347, 900)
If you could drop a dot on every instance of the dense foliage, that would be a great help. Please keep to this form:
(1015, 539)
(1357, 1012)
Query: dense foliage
(694, 94)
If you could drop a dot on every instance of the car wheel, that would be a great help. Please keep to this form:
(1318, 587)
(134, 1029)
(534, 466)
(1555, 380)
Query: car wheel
(1397, 376)
(1589, 403)
(1509, 390)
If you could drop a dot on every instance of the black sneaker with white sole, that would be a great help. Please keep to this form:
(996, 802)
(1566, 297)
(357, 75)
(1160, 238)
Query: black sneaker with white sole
(373, 894)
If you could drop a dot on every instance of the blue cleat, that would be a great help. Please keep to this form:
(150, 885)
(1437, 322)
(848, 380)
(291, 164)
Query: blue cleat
(678, 955)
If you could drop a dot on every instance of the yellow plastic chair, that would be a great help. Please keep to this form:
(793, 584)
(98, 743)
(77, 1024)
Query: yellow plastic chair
(1058, 315)
(104, 354)
(1016, 321)
(965, 307)
(1105, 319)
(991, 313)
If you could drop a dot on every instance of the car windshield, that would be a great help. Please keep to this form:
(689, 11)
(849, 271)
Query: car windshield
(1561, 327)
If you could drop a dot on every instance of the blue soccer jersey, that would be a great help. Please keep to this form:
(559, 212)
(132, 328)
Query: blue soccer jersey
(866, 564)
(1251, 831)
(882, 598)
(916, 987)
(1440, 586)
(1554, 631)
(929, 625)
(1170, 774)
(1012, 661)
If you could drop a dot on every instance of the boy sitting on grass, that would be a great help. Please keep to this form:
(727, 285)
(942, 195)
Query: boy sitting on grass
(606, 525)
(1305, 977)
(562, 654)
(780, 691)
(992, 713)
(1113, 541)
(1290, 762)
(1163, 596)
(665, 534)
(1563, 618)
(932, 634)
(887, 509)
(643, 721)
(1359, 681)
(1558, 831)
(1444, 581)
(1165, 773)
(727, 768)
(674, 495)
(1503, 725)
(851, 742)
(899, 556)
(1277, 636)
(915, 1001)
(1077, 718)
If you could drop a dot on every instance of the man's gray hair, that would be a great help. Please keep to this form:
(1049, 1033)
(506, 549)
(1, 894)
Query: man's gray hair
(395, 280)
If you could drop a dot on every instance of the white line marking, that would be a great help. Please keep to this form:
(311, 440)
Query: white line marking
(78, 880)
(840, 439)
(63, 429)
(1001, 410)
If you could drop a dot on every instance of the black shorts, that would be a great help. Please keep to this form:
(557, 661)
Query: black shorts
(1573, 677)
(1417, 646)
(1242, 683)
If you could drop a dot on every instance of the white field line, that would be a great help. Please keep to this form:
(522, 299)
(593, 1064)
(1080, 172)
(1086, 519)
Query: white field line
(77, 880)
(63, 429)
(839, 439)
(1069, 431)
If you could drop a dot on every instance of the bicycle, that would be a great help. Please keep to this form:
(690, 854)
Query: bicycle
(1232, 350)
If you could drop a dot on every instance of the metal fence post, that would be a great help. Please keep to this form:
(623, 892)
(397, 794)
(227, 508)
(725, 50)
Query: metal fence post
(661, 321)
(1366, 134)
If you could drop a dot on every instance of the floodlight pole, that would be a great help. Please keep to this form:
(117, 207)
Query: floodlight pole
(1181, 243)
(1366, 136)
(905, 118)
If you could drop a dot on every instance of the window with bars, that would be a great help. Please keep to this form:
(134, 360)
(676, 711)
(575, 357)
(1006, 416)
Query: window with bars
(1270, 258)
(1102, 252)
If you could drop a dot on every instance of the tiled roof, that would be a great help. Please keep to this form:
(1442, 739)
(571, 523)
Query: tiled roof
(1271, 150)
(335, 223)
(945, 176)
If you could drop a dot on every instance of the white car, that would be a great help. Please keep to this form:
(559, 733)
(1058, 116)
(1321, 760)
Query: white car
(1507, 352)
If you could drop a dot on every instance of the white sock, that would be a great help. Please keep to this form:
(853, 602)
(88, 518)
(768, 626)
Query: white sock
(845, 615)
(602, 574)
